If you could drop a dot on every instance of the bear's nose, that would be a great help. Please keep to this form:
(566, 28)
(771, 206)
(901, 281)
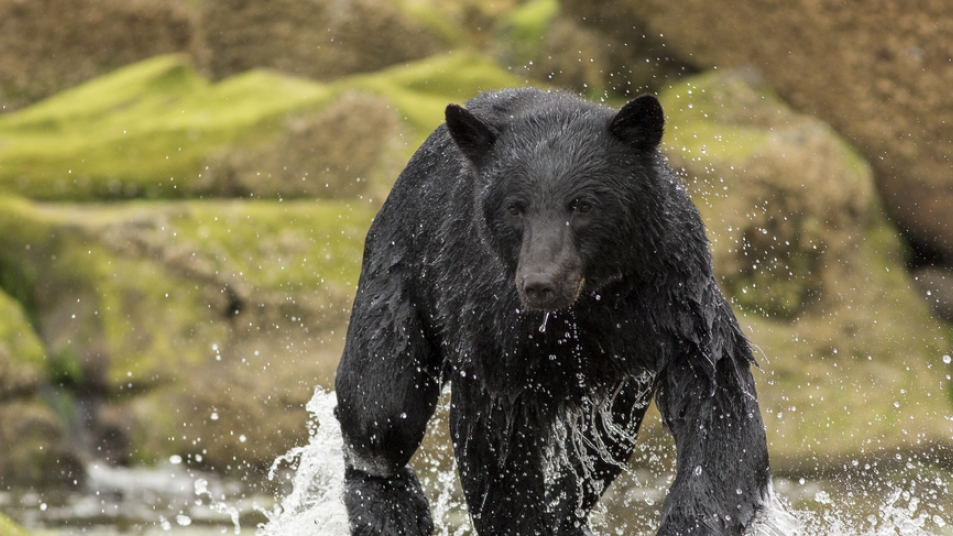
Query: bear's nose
(540, 290)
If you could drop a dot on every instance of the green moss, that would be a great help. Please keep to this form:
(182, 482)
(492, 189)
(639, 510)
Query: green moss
(151, 285)
(147, 83)
(700, 121)
(9, 528)
(142, 131)
(17, 336)
(65, 367)
(323, 240)
(147, 129)
(422, 90)
(18, 280)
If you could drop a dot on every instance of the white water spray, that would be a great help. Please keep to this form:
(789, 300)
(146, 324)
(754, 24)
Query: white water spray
(314, 507)
(542, 327)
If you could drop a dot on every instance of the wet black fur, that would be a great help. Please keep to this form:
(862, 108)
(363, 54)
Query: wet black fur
(438, 301)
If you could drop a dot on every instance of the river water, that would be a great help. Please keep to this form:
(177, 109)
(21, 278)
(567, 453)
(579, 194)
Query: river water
(907, 495)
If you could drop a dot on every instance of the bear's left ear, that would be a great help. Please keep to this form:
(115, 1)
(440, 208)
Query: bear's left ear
(640, 122)
(474, 137)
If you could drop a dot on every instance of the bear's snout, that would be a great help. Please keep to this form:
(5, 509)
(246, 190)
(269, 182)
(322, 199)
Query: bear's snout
(540, 290)
(548, 291)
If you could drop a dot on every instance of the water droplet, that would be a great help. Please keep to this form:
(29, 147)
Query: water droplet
(183, 520)
(947, 359)
(698, 470)
(542, 327)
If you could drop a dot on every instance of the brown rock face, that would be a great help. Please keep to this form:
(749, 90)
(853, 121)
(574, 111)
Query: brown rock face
(879, 72)
(321, 39)
(329, 154)
(49, 45)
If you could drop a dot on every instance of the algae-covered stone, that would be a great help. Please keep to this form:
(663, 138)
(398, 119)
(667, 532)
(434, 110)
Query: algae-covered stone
(141, 131)
(22, 356)
(150, 129)
(851, 357)
(147, 309)
(790, 198)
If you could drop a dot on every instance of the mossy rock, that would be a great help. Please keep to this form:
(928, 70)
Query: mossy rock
(851, 359)
(150, 129)
(132, 285)
(144, 306)
(22, 356)
(790, 198)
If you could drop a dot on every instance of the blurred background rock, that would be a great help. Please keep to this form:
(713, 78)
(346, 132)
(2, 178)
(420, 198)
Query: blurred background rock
(185, 187)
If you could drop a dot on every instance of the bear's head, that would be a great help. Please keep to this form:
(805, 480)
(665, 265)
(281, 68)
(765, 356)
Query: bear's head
(562, 186)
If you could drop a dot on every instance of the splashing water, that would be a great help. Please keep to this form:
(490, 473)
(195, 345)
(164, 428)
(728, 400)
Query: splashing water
(201, 488)
(631, 506)
(314, 507)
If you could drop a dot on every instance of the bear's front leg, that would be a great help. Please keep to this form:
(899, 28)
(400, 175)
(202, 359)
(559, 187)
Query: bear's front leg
(722, 474)
(387, 385)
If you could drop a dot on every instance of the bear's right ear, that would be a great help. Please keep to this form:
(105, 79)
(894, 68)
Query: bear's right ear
(474, 137)
(640, 123)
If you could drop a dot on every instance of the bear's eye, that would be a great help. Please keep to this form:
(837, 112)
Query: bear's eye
(513, 210)
(582, 207)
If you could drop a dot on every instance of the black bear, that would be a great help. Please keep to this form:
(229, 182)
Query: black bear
(539, 254)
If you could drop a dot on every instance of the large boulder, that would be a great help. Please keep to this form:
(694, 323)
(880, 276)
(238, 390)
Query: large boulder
(878, 72)
(850, 356)
(49, 45)
(320, 39)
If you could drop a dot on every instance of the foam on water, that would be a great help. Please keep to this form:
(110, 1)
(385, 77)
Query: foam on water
(314, 506)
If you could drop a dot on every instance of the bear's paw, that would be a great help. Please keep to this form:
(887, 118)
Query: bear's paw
(386, 506)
